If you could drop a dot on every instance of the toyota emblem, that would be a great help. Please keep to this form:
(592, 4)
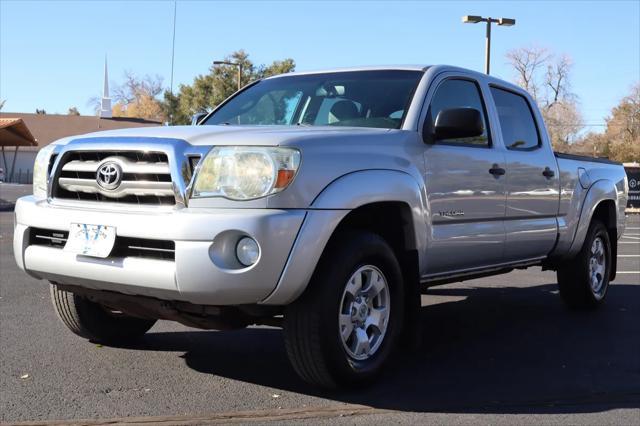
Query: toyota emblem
(109, 175)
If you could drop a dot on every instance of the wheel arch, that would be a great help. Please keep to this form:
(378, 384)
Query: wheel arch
(375, 193)
(387, 202)
(601, 203)
(605, 212)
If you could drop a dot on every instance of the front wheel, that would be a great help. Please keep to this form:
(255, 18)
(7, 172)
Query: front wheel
(96, 322)
(342, 330)
(584, 280)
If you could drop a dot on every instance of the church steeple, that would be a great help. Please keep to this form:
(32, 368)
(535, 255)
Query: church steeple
(105, 103)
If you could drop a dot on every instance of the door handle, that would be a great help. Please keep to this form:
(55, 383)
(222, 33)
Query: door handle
(497, 171)
(548, 173)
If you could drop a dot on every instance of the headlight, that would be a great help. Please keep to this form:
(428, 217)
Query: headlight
(245, 173)
(40, 171)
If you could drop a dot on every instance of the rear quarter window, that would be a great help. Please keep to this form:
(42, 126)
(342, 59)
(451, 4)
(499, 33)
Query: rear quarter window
(519, 130)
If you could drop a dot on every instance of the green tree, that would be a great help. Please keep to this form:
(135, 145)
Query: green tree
(621, 138)
(209, 90)
(623, 128)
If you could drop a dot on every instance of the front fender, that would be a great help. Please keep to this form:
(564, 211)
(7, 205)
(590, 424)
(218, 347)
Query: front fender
(602, 190)
(333, 204)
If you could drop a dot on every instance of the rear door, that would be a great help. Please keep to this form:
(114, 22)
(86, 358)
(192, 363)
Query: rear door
(532, 181)
(466, 200)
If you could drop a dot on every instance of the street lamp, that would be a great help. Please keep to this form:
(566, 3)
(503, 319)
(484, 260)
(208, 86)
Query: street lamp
(234, 64)
(472, 19)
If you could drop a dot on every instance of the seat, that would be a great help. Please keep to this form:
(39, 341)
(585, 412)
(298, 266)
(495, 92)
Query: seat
(343, 110)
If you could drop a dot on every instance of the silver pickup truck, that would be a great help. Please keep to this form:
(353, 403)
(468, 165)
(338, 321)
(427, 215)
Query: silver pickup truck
(320, 202)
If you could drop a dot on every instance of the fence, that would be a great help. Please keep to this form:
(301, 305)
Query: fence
(20, 176)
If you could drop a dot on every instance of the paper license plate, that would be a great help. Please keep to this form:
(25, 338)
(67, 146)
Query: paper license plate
(91, 240)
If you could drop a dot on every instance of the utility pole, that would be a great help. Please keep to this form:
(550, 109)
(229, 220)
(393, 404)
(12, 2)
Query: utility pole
(473, 19)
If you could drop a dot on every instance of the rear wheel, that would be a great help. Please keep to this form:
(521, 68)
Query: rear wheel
(95, 322)
(584, 280)
(342, 330)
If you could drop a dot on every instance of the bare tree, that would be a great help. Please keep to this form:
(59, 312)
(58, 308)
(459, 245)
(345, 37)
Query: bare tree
(2, 103)
(557, 80)
(135, 97)
(527, 62)
(546, 77)
(564, 123)
(94, 102)
(135, 88)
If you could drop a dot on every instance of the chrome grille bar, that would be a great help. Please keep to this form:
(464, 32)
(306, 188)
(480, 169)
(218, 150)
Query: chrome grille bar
(127, 165)
(131, 187)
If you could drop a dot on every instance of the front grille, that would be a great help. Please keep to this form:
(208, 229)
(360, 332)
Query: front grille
(145, 177)
(123, 247)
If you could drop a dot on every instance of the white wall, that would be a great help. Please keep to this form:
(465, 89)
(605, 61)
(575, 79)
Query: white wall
(23, 171)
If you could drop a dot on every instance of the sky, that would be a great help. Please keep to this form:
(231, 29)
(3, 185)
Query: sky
(52, 52)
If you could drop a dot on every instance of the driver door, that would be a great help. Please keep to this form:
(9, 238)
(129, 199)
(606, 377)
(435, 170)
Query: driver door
(465, 190)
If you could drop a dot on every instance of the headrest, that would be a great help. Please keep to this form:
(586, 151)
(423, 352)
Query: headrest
(344, 110)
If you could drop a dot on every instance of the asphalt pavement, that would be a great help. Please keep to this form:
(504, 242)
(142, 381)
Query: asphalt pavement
(499, 350)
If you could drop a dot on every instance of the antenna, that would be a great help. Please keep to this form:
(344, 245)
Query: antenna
(173, 50)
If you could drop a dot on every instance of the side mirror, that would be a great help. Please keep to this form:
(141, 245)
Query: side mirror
(457, 123)
(195, 118)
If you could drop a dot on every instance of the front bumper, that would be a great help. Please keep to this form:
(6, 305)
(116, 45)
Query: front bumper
(197, 274)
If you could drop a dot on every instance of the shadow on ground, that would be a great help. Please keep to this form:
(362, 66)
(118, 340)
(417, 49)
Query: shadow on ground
(500, 350)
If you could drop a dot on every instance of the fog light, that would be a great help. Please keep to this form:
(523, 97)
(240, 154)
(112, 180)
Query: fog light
(247, 251)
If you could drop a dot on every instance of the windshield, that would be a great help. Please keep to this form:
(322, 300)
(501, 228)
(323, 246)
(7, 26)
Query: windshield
(354, 98)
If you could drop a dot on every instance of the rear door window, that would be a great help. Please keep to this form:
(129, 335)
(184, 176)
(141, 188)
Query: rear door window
(519, 130)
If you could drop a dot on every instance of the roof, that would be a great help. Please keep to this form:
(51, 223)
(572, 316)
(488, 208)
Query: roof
(14, 132)
(435, 69)
(363, 68)
(46, 128)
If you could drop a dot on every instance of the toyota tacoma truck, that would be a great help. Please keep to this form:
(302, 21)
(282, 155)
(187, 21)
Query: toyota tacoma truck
(322, 203)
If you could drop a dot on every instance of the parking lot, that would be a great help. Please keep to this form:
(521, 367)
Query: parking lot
(499, 350)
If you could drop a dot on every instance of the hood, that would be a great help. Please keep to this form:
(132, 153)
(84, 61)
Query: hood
(232, 135)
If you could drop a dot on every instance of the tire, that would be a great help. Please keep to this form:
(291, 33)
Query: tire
(94, 322)
(315, 323)
(584, 280)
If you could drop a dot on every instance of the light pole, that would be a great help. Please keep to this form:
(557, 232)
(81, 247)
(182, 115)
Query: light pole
(472, 19)
(235, 64)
